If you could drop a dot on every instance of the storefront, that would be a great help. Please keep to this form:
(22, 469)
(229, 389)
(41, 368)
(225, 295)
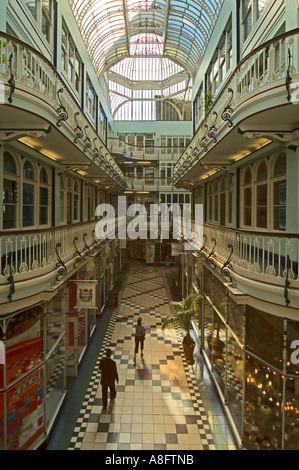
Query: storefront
(248, 352)
(39, 348)
(32, 373)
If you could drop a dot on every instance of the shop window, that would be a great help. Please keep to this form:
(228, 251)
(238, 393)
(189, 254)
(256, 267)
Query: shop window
(91, 100)
(42, 12)
(62, 199)
(229, 189)
(219, 296)
(234, 385)
(218, 346)
(264, 336)
(71, 61)
(264, 200)
(235, 317)
(291, 435)
(251, 10)
(208, 328)
(210, 202)
(55, 381)
(10, 192)
(44, 198)
(23, 343)
(28, 195)
(208, 283)
(261, 205)
(262, 407)
(76, 202)
(247, 198)
(280, 194)
(215, 201)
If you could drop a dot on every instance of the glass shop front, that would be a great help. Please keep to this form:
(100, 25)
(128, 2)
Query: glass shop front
(32, 374)
(249, 353)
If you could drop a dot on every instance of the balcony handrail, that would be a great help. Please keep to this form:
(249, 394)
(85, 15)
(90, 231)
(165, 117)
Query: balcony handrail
(251, 232)
(58, 84)
(227, 85)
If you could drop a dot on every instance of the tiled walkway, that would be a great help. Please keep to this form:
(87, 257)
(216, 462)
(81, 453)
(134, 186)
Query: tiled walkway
(159, 402)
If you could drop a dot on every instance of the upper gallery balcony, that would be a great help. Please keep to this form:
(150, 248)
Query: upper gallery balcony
(254, 107)
(39, 109)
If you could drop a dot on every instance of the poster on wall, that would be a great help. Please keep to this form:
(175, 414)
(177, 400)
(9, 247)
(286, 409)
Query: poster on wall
(86, 294)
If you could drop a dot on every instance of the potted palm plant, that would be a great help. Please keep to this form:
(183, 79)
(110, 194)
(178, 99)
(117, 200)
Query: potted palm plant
(183, 314)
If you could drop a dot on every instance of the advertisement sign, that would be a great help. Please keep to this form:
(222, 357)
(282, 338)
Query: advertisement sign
(86, 294)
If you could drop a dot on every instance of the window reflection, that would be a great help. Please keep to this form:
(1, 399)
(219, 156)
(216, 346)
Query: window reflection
(263, 407)
(234, 364)
(23, 343)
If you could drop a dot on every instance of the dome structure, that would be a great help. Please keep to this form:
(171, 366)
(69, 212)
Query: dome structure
(150, 51)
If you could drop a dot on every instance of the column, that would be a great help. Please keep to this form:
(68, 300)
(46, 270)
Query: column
(292, 223)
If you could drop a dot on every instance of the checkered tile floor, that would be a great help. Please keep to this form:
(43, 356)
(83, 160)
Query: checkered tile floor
(158, 404)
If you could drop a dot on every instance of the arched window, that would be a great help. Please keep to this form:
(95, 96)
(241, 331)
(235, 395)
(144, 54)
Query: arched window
(44, 191)
(247, 198)
(69, 200)
(216, 200)
(279, 193)
(280, 167)
(76, 202)
(28, 219)
(62, 199)
(229, 190)
(210, 202)
(222, 201)
(10, 192)
(262, 196)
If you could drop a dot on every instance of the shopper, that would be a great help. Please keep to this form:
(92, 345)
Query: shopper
(108, 378)
(139, 337)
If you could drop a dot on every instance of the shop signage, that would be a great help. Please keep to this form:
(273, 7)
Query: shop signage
(86, 294)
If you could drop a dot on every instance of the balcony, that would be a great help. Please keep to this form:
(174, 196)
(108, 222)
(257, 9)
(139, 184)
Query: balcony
(47, 117)
(254, 260)
(40, 259)
(149, 184)
(254, 107)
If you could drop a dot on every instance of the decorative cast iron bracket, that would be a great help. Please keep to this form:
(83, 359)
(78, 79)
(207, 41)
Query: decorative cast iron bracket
(213, 129)
(96, 152)
(225, 270)
(96, 244)
(11, 81)
(62, 111)
(87, 140)
(228, 110)
(289, 79)
(10, 278)
(203, 141)
(78, 255)
(78, 130)
(211, 256)
(86, 246)
(201, 253)
(62, 270)
(287, 282)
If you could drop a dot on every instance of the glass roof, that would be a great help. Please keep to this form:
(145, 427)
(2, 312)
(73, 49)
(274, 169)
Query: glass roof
(179, 30)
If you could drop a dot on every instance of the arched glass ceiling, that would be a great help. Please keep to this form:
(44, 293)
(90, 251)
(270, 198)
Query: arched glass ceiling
(185, 27)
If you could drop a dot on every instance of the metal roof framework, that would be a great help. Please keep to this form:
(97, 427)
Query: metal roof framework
(124, 36)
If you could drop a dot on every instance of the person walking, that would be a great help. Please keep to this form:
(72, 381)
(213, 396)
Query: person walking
(108, 377)
(139, 337)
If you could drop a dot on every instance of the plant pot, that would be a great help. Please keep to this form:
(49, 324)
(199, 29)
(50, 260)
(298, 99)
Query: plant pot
(217, 348)
(188, 349)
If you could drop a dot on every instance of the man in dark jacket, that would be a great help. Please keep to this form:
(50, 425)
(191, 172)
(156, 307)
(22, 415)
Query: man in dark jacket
(108, 378)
